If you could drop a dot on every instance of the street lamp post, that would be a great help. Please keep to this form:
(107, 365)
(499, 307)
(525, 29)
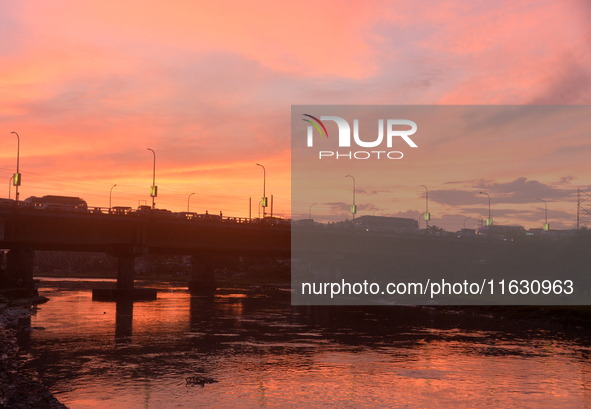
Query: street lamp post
(427, 214)
(465, 221)
(264, 199)
(189, 201)
(353, 208)
(546, 225)
(17, 175)
(489, 220)
(9, 184)
(374, 212)
(154, 188)
(310, 216)
(110, 195)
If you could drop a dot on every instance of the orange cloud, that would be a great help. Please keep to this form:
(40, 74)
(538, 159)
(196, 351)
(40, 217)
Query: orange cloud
(90, 85)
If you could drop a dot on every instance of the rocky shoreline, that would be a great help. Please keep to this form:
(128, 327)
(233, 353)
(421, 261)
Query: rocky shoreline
(18, 391)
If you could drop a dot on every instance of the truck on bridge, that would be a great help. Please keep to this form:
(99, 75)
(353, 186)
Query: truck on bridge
(59, 202)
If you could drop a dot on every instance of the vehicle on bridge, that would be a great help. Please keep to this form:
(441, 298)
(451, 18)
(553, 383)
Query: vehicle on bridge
(147, 210)
(64, 203)
(121, 209)
(187, 215)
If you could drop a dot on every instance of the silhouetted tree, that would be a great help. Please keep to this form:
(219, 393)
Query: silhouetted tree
(436, 229)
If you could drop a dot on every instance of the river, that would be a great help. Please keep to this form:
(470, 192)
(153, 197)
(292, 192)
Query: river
(262, 352)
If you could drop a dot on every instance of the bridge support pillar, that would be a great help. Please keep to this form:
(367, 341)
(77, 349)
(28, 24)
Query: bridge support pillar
(125, 272)
(202, 274)
(125, 290)
(19, 270)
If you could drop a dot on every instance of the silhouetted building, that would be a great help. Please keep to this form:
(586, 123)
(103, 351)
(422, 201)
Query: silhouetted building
(555, 234)
(57, 201)
(466, 233)
(501, 230)
(384, 222)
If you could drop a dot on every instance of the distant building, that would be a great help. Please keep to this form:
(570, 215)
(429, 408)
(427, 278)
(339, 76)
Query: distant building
(555, 234)
(501, 230)
(305, 222)
(384, 222)
(466, 232)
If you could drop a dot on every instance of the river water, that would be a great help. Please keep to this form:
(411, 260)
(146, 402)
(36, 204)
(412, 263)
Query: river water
(265, 353)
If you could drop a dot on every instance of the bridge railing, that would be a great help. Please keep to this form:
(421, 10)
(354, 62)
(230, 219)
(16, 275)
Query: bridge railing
(141, 212)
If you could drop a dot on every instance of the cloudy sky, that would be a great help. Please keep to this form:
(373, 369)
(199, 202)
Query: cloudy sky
(89, 86)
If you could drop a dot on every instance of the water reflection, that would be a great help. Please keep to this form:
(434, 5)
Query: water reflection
(123, 321)
(265, 353)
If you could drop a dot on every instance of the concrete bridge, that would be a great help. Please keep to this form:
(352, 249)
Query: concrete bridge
(210, 240)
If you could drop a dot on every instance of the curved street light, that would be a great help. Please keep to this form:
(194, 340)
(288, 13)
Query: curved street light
(546, 225)
(353, 208)
(154, 189)
(17, 175)
(110, 195)
(9, 184)
(465, 221)
(427, 215)
(489, 220)
(310, 216)
(264, 199)
(189, 201)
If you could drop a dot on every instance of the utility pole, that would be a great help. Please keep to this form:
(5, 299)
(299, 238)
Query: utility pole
(578, 205)
(354, 207)
(154, 188)
(427, 214)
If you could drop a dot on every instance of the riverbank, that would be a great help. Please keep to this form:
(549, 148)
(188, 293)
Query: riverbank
(18, 391)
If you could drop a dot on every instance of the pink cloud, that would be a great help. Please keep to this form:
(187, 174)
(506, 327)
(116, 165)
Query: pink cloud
(90, 85)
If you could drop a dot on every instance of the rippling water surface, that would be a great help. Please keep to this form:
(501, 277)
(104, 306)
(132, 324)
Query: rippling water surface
(264, 353)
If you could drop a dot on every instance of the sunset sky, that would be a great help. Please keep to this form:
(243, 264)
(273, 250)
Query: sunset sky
(89, 86)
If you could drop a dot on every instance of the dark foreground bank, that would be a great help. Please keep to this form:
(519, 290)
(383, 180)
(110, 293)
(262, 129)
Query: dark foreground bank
(18, 391)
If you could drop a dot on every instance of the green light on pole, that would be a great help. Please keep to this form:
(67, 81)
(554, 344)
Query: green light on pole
(546, 225)
(17, 178)
(427, 214)
(264, 198)
(354, 207)
(489, 220)
(153, 188)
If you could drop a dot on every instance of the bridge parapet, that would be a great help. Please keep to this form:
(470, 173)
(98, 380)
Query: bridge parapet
(126, 236)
